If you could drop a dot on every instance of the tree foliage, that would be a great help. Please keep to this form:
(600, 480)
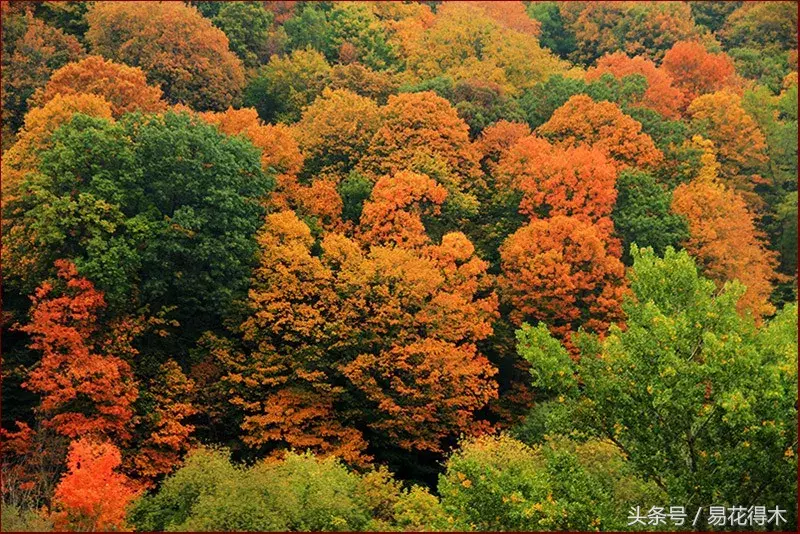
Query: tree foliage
(346, 314)
(560, 272)
(336, 130)
(84, 381)
(125, 88)
(696, 71)
(661, 95)
(369, 245)
(92, 495)
(499, 483)
(725, 240)
(200, 70)
(603, 125)
(152, 220)
(32, 50)
(698, 399)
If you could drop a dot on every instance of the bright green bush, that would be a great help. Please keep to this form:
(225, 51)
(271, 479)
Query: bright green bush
(499, 483)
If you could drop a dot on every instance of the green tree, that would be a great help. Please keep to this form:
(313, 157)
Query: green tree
(555, 35)
(247, 25)
(499, 484)
(156, 211)
(698, 399)
(296, 493)
(761, 25)
(642, 214)
(539, 102)
(347, 31)
(712, 14)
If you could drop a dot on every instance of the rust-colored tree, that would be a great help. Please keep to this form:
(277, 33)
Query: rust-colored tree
(574, 181)
(604, 126)
(724, 238)
(661, 94)
(165, 428)
(84, 389)
(558, 271)
(696, 71)
(92, 495)
(496, 140)
(199, 69)
(124, 87)
(434, 388)
(394, 212)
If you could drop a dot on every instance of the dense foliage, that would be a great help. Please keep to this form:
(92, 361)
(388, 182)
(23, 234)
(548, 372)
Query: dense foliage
(397, 266)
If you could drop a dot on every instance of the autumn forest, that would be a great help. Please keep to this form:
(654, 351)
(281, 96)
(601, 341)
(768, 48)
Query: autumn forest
(398, 266)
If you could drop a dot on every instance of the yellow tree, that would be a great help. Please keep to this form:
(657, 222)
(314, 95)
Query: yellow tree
(329, 319)
(336, 130)
(741, 147)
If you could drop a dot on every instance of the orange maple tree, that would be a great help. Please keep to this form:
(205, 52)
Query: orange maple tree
(661, 94)
(394, 212)
(293, 300)
(696, 71)
(574, 181)
(92, 495)
(199, 69)
(124, 87)
(494, 142)
(84, 390)
(604, 126)
(512, 15)
(724, 238)
(558, 271)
